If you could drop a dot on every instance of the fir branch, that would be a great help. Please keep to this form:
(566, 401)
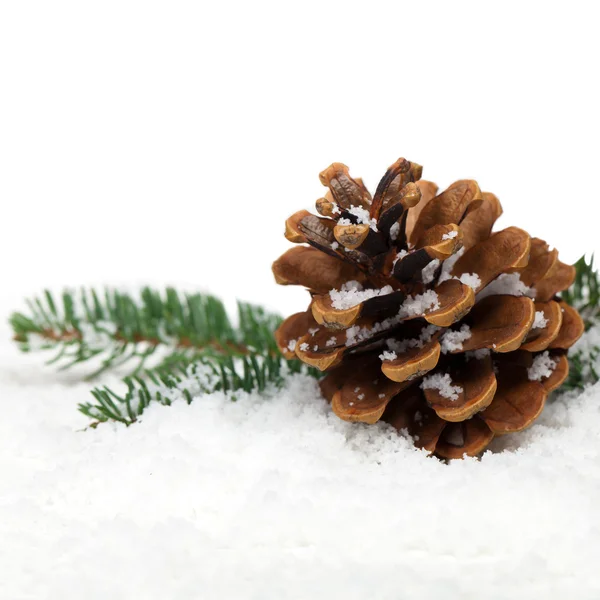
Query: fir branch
(189, 379)
(117, 329)
(584, 295)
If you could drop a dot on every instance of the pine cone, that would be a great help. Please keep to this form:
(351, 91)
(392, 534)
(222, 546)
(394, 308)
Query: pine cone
(420, 315)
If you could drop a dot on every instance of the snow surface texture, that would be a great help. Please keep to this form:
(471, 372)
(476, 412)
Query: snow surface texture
(274, 497)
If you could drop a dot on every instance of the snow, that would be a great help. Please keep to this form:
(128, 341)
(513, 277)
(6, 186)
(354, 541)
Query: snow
(450, 236)
(363, 217)
(443, 383)
(400, 346)
(428, 272)
(509, 284)
(273, 497)
(394, 231)
(542, 367)
(387, 355)
(411, 307)
(352, 293)
(478, 354)
(399, 256)
(419, 304)
(539, 321)
(452, 340)
(334, 245)
(471, 279)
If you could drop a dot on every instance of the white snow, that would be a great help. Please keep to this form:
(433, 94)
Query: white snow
(419, 304)
(394, 231)
(413, 306)
(540, 321)
(387, 355)
(449, 263)
(362, 214)
(478, 354)
(452, 340)
(334, 245)
(450, 236)
(443, 383)
(400, 346)
(507, 283)
(292, 345)
(542, 367)
(399, 256)
(274, 497)
(428, 272)
(353, 293)
(471, 279)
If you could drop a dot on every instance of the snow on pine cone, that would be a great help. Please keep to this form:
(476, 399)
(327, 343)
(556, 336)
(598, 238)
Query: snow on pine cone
(420, 315)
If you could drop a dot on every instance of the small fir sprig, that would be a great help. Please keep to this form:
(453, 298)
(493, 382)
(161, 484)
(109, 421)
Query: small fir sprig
(584, 295)
(117, 329)
(188, 379)
(203, 351)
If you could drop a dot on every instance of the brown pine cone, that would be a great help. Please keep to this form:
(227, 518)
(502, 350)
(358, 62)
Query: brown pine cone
(420, 315)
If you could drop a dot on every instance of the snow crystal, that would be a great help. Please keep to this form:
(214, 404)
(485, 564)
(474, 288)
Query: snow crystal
(478, 354)
(363, 217)
(471, 279)
(304, 346)
(507, 283)
(449, 263)
(344, 221)
(334, 245)
(292, 345)
(399, 256)
(540, 321)
(99, 335)
(428, 272)
(332, 341)
(313, 331)
(411, 307)
(386, 355)
(400, 346)
(420, 304)
(542, 367)
(394, 231)
(442, 383)
(450, 236)
(452, 340)
(352, 293)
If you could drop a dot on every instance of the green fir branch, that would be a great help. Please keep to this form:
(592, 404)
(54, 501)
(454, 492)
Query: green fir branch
(201, 350)
(584, 295)
(188, 380)
(117, 329)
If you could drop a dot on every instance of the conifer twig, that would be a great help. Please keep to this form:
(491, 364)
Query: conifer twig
(117, 329)
(584, 295)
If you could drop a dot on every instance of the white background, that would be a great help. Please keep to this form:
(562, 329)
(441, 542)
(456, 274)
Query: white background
(167, 142)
